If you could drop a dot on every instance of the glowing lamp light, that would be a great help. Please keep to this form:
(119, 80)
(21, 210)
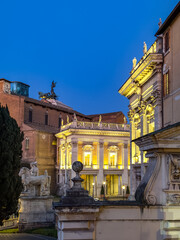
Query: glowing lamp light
(123, 187)
(104, 183)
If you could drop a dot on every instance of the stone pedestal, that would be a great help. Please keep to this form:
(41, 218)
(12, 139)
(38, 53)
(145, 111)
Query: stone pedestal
(76, 222)
(76, 212)
(35, 212)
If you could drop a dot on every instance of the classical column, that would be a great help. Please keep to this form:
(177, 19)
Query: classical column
(74, 143)
(132, 149)
(61, 178)
(125, 161)
(119, 184)
(94, 185)
(101, 164)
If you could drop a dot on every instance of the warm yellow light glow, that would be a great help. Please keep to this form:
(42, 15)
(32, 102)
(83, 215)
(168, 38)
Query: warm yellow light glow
(95, 166)
(93, 184)
(87, 158)
(123, 187)
(105, 166)
(121, 167)
(104, 183)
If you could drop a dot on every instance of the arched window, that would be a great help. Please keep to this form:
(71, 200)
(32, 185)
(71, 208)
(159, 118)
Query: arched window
(150, 118)
(27, 143)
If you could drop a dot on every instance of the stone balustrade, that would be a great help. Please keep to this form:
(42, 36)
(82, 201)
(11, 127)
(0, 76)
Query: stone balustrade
(96, 125)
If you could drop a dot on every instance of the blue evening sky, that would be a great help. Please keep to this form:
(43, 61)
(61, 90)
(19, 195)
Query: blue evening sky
(85, 46)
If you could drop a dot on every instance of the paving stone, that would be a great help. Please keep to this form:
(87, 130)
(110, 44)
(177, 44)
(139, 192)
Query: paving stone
(24, 236)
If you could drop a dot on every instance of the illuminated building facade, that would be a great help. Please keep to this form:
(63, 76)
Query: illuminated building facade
(143, 89)
(104, 150)
(153, 90)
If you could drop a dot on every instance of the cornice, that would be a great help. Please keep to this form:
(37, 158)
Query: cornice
(141, 74)
(93, 132)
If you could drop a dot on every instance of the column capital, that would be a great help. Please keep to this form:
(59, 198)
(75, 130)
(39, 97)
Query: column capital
(101, 142)
(74, 141)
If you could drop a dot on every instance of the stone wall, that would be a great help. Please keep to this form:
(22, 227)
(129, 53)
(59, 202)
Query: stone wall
(119, 222)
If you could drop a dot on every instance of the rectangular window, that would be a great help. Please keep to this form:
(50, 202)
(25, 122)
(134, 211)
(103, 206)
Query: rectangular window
(30, 115)
(87, 158)
(112, 159)
(46, 119)
(166, 88)
(166, 46)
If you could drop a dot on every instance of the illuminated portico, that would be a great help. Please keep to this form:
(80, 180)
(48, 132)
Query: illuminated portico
(103, 148)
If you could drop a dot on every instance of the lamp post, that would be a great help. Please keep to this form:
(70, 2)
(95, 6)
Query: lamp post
(93, 190)
(123, 189)
(104, 184)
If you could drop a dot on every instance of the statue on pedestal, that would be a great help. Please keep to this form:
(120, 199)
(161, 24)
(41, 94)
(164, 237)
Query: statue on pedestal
(49, 95)
(35, 185)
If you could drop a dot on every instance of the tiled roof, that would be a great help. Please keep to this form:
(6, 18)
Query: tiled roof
(49, 105)
(43, 128)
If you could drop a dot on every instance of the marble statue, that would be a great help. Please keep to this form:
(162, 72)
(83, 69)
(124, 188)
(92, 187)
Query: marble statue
(35, 185)
(134, 62)
(34, 171)
(145, 48)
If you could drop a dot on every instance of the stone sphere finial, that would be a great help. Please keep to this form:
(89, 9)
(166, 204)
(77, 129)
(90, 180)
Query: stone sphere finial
(77, 166)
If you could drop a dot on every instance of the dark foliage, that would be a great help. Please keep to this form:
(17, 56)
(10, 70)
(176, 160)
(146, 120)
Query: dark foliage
(102, 190)
(127, 190)
(10, 156)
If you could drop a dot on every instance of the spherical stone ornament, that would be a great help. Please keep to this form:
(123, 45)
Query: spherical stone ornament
(77, 166)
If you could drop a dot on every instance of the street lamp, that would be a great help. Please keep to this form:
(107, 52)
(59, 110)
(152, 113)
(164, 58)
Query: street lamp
(104, 183)
(123, 189)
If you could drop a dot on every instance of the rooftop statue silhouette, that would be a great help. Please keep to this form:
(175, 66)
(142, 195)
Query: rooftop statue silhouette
(49, 95)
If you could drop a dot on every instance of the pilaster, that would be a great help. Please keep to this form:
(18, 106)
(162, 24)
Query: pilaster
(125, 160)
(101, 164)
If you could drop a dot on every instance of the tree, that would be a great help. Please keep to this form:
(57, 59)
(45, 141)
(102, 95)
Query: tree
(102, 190)
(10, 156)
(127, 190)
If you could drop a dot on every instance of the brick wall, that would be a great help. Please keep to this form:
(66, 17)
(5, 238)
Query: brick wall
(15, 105)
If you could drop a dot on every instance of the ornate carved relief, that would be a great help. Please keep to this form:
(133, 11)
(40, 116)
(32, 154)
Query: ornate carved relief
(173, 198)
(155, 96)
(88, 148)
(113, 148)
(173, 191)
(174, 167)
